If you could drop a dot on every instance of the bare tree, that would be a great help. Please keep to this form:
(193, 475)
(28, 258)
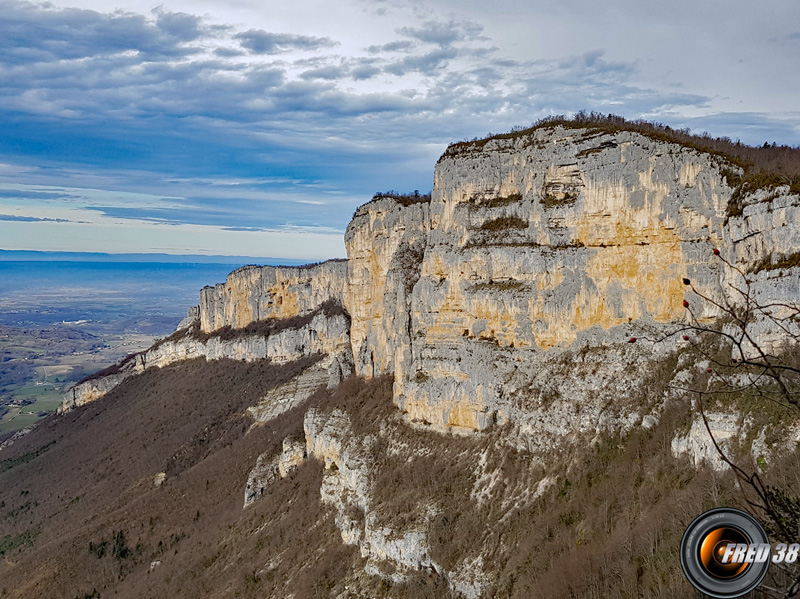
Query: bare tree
(741, 363)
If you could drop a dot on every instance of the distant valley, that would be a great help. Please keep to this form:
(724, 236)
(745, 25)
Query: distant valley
(60, 321)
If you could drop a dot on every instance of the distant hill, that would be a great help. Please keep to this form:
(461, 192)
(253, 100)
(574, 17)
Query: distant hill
(26, 255)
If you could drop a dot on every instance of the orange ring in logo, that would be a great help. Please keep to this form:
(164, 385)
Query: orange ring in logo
(712, 550)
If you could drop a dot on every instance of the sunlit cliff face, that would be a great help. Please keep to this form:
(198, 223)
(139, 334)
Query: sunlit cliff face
(528, 249)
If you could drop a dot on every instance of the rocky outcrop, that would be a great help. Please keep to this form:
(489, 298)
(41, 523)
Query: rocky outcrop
(758, 241)
(559, 240)
(191, 319)
(346, 486)
(292, 456)
(544, 242)
(254, 293)
(263, 474)
(327, 373)
(322, 334)
(385, 243)
(270, 468)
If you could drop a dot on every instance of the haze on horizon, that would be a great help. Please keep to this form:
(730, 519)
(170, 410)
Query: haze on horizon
(231, 128)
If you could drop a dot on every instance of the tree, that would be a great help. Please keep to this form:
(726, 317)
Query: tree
(751, 352)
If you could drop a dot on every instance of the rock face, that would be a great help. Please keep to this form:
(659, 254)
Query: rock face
(192, 317)
(346, 486)
(322, 334)
(256, 293)
(327, 373)
(537, 251)
(547, 241)
(385, 242)
(269, 468)
(566, 239)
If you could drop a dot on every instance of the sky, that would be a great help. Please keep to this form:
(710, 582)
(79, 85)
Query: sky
(255, 128)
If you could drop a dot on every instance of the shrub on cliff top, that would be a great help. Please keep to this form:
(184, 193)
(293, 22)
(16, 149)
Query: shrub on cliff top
(406, 199)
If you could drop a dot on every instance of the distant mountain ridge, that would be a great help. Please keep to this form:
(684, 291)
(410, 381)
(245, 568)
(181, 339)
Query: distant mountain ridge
(32, 255)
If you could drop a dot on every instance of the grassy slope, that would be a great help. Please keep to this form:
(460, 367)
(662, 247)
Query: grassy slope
(86, 476)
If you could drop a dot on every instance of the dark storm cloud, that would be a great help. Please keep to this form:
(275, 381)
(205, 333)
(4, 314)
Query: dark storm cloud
(259, 41)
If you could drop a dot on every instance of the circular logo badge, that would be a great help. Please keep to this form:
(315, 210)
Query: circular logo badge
(718, 553)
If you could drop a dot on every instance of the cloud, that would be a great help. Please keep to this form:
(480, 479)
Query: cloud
(177, 106)
(34, 195)
(331, 72)
(444, 33)
(31, 219)
(180, 25)
(425, 63)
(35, 33)
(397, 46)
(228, 52)
(365, 72)
(252, 211)
(259, 41)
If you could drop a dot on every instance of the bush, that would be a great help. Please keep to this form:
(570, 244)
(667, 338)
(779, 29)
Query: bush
(503, 223)
(406, 199)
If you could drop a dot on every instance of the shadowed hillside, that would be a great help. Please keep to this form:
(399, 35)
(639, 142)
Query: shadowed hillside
(82, 517)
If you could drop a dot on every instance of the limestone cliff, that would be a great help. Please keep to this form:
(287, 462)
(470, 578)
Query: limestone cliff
(256, 293)
(562, 239)
(322, 333)
(514, 313)
(535, 253)
(385, 243)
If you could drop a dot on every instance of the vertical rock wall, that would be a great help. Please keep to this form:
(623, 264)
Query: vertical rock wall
(529, 249)
(538, 245)
(260, 292)
(385, 243)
